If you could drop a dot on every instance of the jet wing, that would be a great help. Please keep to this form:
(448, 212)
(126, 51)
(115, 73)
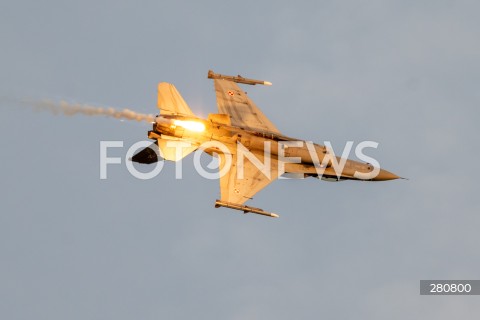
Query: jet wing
(236, 188)
(232, 100)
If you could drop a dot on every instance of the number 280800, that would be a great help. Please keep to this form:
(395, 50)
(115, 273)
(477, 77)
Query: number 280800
(450, 287)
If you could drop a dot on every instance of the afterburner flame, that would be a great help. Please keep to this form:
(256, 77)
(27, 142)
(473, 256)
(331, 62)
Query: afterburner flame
(190, 125)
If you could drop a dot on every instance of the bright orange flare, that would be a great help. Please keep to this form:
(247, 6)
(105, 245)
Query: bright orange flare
(190, 125)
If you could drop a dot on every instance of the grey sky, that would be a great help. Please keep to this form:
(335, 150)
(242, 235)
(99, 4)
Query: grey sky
(402, 73)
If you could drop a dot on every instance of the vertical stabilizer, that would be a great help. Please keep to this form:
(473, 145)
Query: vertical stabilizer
(170, 101)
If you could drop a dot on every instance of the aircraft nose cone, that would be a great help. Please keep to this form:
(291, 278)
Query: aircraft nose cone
(385, 175)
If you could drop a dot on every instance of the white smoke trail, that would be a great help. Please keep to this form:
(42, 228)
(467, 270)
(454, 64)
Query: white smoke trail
(70, 109)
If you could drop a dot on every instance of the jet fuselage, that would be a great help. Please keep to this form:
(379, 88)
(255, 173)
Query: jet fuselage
(301, 157)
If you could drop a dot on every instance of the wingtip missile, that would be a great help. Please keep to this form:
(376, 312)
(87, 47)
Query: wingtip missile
(238, 79)
(245, 209)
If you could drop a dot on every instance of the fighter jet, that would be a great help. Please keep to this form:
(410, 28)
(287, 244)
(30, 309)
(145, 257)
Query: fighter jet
(252, 152)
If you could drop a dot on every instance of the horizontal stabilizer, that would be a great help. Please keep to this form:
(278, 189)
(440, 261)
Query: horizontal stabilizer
(175, 149)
